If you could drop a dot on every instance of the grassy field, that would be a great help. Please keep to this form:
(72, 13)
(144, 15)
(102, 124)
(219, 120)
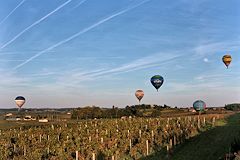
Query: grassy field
(209, 145)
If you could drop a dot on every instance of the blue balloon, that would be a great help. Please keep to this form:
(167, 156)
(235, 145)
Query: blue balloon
(199, 105)
(157, 81)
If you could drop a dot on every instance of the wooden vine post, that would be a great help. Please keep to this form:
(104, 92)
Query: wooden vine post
(76, 155)
(147, 147)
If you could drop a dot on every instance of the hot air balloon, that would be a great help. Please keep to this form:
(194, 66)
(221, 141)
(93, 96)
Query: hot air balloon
(157, 81)
(139, 94)
(20, 100)
(199, 105)
(227, 59)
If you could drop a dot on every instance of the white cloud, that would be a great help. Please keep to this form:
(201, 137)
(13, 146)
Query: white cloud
(216, 47)
(211, 76)
(138, 64)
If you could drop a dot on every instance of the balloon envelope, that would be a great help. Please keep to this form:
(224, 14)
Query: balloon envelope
(199, 105)
(139, 94)
(157, 81)
(20, 100)
(227, 60)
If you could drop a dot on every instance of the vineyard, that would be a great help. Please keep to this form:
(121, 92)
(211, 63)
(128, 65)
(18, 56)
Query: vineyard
(101, 138)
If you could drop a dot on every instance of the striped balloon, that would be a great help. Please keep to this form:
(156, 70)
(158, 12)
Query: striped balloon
(20, 100)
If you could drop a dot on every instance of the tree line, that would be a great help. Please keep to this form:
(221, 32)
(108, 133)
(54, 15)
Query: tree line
(143, 110)
(233, 107)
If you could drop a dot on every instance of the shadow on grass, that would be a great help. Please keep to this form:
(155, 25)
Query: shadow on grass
(212, 144)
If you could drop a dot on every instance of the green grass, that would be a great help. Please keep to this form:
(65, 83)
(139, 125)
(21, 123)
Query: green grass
(209, 145)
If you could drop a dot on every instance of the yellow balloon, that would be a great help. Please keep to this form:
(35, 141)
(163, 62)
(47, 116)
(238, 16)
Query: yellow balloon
(227, 59)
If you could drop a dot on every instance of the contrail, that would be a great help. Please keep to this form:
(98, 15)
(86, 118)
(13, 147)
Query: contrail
(4, 19)
(34, 24)
(80, 33)
(80, 3)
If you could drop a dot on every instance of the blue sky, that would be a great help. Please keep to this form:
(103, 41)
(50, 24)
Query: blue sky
(71, 53)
